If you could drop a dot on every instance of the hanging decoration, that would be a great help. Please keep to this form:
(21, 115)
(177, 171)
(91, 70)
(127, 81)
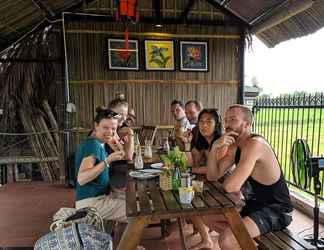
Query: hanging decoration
(126, 13)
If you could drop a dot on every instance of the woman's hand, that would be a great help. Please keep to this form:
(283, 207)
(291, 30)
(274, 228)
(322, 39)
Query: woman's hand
(116, 156)
(115, 144)
(125, 132)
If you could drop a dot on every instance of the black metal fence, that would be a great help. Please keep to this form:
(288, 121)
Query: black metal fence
(284, 119)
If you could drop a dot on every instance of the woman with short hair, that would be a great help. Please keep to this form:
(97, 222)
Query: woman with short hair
(92, 164)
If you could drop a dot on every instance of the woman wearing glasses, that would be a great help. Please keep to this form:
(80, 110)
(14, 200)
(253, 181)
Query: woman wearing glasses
(92, 163)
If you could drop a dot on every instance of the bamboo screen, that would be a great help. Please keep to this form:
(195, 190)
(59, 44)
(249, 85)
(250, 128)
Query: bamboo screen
(150, 93)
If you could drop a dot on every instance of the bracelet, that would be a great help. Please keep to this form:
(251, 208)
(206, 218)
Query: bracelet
(106, 162)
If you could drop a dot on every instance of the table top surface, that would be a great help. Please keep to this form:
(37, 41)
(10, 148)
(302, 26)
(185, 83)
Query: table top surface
(145, 198)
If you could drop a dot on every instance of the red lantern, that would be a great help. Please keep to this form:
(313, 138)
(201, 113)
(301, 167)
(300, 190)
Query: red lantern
(126, 12)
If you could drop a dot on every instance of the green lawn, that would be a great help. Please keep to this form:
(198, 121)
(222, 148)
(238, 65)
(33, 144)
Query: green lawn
(281, 127)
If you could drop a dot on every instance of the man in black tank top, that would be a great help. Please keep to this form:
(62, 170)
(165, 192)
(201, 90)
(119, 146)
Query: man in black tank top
(257, 174)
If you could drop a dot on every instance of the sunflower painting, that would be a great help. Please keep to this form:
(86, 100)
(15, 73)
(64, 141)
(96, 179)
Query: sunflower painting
(121, 58)
(193, 56)
(159, 55)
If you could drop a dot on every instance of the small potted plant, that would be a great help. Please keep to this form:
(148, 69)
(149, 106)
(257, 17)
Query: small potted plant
(175, 162)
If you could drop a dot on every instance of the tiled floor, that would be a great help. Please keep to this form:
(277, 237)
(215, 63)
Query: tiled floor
(26, 210)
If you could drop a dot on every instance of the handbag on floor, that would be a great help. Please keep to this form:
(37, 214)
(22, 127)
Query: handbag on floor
(72, 230)
(75, 237)
(88, 215)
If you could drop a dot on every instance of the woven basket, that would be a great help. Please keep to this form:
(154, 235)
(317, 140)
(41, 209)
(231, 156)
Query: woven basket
(165, 182)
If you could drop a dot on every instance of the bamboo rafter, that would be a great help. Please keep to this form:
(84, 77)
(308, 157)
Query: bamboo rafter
(153, 34)
(153, 81)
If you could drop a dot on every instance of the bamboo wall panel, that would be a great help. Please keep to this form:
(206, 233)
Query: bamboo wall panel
(150, 92)
(88, 54)
(150, 101)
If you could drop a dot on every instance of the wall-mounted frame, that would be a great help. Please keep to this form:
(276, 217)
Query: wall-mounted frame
(159, 54)
(121, 59)
(193, 56)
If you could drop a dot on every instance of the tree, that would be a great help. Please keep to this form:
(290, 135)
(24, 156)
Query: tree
(255, 81)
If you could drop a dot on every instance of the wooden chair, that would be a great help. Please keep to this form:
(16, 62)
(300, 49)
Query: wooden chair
(147, 133)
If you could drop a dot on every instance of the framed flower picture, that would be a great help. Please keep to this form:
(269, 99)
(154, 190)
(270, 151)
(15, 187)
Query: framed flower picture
(120, 58)
(193, 56)
(159, 54)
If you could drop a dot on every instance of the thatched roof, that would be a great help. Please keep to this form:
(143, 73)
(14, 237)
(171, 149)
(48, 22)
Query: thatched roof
(273, 21)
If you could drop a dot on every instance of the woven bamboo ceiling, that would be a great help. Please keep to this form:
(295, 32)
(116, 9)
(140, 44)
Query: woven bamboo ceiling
(273, 21)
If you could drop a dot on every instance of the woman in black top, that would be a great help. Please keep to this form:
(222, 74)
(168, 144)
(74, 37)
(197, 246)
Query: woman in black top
(209, 130)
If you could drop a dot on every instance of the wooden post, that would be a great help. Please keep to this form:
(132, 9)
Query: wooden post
(240, 92)
(132, 235)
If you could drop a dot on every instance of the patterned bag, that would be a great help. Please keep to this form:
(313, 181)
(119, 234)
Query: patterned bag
(66, 216)
(76, 229)
(75, 237)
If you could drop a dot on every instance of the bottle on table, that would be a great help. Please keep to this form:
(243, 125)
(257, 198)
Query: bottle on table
(138, 161)
(166, 145)
(171, 140)
(176, 178)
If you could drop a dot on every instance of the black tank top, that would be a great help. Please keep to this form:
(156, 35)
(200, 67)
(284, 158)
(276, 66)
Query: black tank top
(259, 195)
(117, 172)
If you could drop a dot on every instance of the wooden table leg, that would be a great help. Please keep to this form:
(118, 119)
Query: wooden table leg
(164, 228)
(239, 230)
(182, 237)
(132, 235)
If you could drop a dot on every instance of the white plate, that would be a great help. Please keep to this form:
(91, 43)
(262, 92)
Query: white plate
(158, 165)
(142, 175)
(151, 171)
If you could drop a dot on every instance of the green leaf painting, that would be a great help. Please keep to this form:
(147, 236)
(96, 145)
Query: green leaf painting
(159, 55)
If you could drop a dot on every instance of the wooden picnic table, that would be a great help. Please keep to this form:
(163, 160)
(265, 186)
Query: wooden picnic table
(146, 202)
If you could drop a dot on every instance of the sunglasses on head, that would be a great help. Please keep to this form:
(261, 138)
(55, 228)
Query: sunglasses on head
(111, 114)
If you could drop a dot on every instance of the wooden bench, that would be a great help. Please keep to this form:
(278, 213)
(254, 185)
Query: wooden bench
(283, 239)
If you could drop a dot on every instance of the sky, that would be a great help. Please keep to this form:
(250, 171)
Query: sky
(294, 65)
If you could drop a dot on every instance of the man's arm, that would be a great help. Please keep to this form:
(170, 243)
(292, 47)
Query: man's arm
(221, 156)
(216, 168)
(249, 155)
